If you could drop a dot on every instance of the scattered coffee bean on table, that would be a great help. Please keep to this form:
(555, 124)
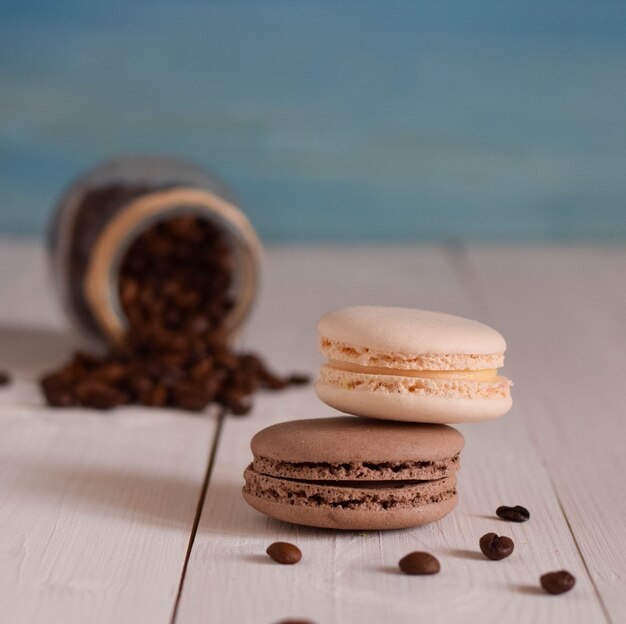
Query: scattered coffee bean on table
(5, 378)
(419, 563)
(175, 290)
(284, 552)
(514, 514)
(557, 582)
(496, 547)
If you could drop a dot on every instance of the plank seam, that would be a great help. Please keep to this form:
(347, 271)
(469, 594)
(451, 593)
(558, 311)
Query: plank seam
(199, 506)
(580, 553)
(457, 255)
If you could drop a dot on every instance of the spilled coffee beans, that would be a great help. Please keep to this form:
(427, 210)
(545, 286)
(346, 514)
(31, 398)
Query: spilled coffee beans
(557, 582)
(513, 514)
(496, 547)
(284, 552)
(419, 563)
(175, 291)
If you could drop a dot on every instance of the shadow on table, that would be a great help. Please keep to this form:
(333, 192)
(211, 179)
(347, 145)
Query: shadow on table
(109, 492)
(76, 481)
(226, 512)
(29, 351)
(530, 590)
(465, 553)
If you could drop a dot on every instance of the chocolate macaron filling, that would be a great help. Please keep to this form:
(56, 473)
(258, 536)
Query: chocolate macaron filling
(358, 470)
(364, 495)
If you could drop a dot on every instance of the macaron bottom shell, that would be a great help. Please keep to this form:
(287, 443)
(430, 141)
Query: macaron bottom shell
(360, 504)
(353, 519)
(411, 407)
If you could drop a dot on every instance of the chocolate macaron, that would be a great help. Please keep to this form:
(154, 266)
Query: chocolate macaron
(347, 473)
(411, 365)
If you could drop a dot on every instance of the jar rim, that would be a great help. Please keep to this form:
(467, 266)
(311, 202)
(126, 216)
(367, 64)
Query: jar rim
(101, 283)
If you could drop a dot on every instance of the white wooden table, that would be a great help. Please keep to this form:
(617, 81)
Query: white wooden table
(136, 516)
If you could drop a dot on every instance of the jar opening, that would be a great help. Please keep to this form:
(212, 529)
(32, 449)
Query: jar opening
(174, 216)
(139, 217)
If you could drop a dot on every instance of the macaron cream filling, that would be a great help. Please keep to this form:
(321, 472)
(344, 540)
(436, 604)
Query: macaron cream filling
(361, 355)
(489, 374)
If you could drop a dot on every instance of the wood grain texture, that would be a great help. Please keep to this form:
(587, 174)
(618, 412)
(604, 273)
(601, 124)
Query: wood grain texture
(96, 509)
(350, 577)
(96, 513)
(563, 311)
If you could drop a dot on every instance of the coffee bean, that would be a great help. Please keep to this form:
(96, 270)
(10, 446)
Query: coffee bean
(156, 396)
(239, 408)
(198, 324)
(295, 622)
(514, 514)
(139, 383)
(557, 582)
(298, 379)
(56, 392)
(129, 291)
(170, 375)
(284, 552)
(225, 359)
(419, 563)
(86, 360)
(496, 547)
(203, 368)
(99, 395)
(110, 373)
(190, 396)
(5, 378)
(269, 380)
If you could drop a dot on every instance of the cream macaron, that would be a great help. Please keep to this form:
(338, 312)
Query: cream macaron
(411, 365)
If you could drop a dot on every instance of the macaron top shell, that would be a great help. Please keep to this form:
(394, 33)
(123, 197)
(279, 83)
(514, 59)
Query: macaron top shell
(348, 439)
(406, 330)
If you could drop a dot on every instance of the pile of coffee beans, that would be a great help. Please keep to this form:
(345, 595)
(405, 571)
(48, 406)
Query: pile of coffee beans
(175, 288)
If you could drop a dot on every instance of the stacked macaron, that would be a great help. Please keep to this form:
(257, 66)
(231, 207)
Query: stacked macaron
(409, 373)
(411, 365)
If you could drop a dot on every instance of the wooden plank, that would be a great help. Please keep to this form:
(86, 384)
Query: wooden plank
(96, 513)
(34, 336)
(352, 577)
(564, 313)
(97, 509)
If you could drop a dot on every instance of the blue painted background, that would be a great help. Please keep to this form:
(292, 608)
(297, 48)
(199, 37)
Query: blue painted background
(332, 120)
